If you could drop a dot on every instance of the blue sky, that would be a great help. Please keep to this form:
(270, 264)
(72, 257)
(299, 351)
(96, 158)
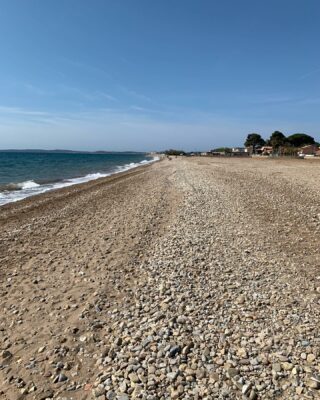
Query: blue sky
(149, 75)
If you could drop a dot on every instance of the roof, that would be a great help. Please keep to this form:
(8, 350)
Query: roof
(309, 145)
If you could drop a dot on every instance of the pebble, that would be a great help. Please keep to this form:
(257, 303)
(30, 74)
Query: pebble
(221, 304)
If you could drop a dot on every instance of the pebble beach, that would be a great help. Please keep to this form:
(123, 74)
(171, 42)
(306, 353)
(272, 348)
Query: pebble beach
(191, 278)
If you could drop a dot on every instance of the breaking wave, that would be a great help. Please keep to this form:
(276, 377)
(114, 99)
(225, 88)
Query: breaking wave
(18, 191)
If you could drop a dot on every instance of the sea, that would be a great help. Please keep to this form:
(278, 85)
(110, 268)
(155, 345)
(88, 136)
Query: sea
(24, 174)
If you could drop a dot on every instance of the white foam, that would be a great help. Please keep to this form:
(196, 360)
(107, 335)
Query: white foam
(27, 185)
(31, 188)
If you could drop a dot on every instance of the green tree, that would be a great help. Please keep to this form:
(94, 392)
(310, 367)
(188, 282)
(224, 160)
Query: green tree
(277, 139)
(254, 140)
(174, 152)
(300, 139)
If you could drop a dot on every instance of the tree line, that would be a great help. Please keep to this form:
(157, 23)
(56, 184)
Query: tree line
(278, 139)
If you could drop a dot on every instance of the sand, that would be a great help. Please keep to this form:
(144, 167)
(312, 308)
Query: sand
(191, 278)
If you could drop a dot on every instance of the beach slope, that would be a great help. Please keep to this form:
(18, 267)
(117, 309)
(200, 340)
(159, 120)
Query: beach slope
(190, 278)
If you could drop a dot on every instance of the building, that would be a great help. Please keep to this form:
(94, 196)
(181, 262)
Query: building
(240, 152)
(308, 150)
(266, 150)
(253, 150)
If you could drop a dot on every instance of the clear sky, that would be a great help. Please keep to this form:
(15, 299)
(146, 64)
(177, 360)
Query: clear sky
(154, 74)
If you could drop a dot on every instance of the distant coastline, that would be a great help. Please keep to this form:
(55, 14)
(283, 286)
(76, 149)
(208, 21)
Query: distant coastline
(69, 151)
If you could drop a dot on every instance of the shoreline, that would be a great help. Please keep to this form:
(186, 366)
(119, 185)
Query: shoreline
(54, 194)
(31, 188)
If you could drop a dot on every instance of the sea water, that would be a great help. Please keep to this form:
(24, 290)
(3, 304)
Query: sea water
(24, 174)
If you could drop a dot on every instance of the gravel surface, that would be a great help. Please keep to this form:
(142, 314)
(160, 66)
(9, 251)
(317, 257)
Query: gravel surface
(188, 279)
